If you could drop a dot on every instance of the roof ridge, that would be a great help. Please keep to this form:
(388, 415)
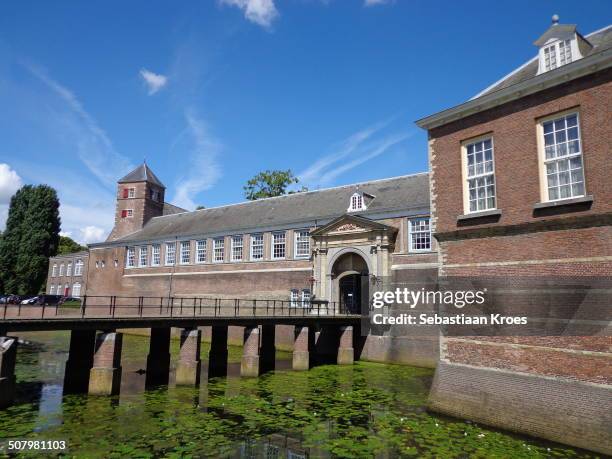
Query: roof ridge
(301, 193)
(518, 69)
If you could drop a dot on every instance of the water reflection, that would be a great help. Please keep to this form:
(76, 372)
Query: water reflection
(366, 410)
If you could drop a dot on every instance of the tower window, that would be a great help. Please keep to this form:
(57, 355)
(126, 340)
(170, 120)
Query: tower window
(127, 213)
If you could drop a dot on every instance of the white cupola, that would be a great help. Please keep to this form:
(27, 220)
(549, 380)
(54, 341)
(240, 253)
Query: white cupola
(561, 44)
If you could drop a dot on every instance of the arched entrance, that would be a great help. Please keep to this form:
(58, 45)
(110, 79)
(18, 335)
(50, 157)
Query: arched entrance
(350, 281)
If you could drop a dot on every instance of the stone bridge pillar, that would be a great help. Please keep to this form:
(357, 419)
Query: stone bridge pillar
(8, 355)
(80, 361)
(158, 360)
(303, 348)
(249, 366)
(346, 352)
(105, 376)
(217, 356)
(189, 365)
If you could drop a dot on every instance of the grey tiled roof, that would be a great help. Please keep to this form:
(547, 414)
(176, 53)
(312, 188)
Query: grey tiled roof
(405, 195)
(142, 174)
(171, 209)
(601, 40)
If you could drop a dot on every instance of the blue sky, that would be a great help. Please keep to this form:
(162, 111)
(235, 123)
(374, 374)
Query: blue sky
(213, 92)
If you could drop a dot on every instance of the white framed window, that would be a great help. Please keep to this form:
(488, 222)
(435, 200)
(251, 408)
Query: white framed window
(305, 298)
(130, 257)
(97, 264)
(61, 270)
(170, 253)
(562, 171)
(419, 234)
(556, 54)
(76, 289)
(356, 203)
(294, 298)
(237, 244)
(78, 267)
(278, 245)
(69, 269)
(52, 289)
(185, 252)
(201, 251)
(219, 250)
(142, 256)
(257, 247)
(302, 244)
(54, 271)
(131, 192)
(155, 255)
(66, 290)
(479, 174)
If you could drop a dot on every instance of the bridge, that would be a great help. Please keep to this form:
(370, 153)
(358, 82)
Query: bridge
(323, 332)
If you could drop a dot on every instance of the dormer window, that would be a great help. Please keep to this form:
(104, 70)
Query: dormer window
(357, 203)
(561, 44)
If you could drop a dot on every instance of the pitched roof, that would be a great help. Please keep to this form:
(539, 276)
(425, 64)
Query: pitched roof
(408, 195)
(142, 174)
(600, 39)
(171, 209)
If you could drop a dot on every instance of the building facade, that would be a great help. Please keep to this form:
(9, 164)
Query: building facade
(521, 189)
(68, 274)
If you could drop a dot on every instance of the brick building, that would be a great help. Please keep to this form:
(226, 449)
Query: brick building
(68, 274)
(521, 188)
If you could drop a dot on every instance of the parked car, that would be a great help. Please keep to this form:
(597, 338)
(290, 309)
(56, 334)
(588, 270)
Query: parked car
(11, 299)
(30, 300)
(49, 300)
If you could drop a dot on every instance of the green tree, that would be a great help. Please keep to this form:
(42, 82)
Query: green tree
(69, 245)
(268, 184)
(31, 236)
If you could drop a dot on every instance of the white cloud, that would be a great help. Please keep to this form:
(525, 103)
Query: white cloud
(10, 182)
(154, 81)
(92, 234)
(203, 168)
(355, 150)
(79, 128)
(261, 12)
(376, 2)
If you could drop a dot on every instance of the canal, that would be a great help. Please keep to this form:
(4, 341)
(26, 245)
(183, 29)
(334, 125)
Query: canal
(365, 410)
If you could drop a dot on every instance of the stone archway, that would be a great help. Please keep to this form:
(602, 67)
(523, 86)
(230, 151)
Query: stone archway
(350, 282)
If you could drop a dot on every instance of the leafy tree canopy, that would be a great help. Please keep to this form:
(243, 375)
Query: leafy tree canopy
(200, 207)
(69, 245)
(31, 236)
(268, 184)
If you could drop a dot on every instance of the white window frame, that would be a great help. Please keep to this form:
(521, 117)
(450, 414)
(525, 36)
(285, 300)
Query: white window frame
(294, 298)
(273, 244)
(155, 254)
(412, 233)
(237, 248)
(201, 250)
(69, 269)
(258, 246)
(558, 53)
(218, 244)
(76, 290)
(357, 202)
(484, 175)
(543, 161)
(306, 297)
(52, 289)
(61, 270)
(185, 252)
(170, 255)
(54, 270)
(131, 192)
(130, 257)
(297, 235)
(142, 263)
(78, 267)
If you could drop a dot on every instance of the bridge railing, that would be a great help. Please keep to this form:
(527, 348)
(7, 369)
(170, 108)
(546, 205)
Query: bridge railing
(112, 306)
